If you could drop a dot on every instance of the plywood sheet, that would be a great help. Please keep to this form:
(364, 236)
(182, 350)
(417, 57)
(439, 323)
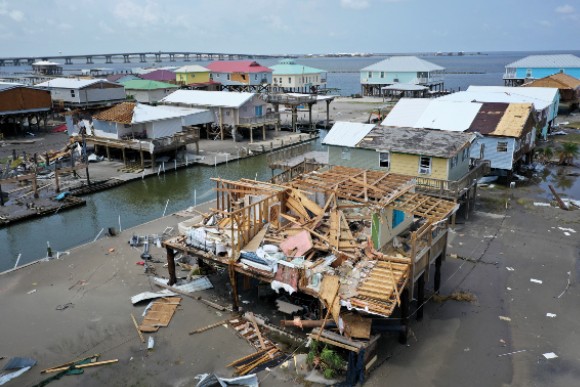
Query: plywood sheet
(160, 314)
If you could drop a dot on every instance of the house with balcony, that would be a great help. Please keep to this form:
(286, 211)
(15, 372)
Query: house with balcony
(146, 91)
(242, 75)
(540, 66)
(131, 131)
(192, 74)
(83, 93)
(44, 67)
(234, 114)
(400, 70)
(545, 101)
(289, 76)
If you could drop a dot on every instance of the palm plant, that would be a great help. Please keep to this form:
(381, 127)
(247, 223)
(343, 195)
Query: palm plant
(568, 152)
(545, 154)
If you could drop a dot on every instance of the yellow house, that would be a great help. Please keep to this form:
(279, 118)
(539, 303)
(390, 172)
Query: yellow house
(428, 153)
(187, 75)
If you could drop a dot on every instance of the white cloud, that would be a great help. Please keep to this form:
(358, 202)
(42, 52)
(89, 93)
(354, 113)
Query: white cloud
(13, 14)
(354, 4)
(545, 23)
(566, 9)
(16, 15)
(137, 15)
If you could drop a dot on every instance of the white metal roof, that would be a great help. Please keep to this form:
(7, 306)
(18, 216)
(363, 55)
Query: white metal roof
(347, 133)
(45, 63)
(403, 64)
(319, 97)
(192, 69)
(406, 112)
(73, 83)
(208, 98)
(547, 61)
(432, 114)
(145, 113)
(547, 94)
(491, 96)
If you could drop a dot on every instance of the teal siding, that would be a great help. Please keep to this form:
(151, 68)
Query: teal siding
(461, 168)
(375, 78)
(359, 158)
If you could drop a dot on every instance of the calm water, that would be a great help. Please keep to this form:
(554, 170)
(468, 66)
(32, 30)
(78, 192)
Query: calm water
(136, 202)
(144, 200)
(485, 69)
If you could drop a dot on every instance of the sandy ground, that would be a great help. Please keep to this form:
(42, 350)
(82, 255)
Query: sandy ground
(457, 343)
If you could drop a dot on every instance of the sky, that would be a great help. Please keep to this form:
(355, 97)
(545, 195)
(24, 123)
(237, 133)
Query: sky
(271, 27)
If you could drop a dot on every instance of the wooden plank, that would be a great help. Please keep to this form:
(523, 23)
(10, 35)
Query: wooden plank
(257, 329)
(95, 364)
(137, 328)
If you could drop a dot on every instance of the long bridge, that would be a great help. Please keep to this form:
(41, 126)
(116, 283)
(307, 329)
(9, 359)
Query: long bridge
(140, 57)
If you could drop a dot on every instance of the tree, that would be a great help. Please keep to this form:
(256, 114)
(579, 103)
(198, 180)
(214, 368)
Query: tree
(545, 154)
(568, 152)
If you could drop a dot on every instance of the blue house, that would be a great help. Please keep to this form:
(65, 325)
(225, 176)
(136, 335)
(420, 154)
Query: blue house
(540, 66)
(400, 70)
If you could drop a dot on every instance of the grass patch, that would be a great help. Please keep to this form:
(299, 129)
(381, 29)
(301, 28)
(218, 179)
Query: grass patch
(573, 137)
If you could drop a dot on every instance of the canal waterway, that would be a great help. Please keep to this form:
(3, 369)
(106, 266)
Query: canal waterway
(134, 203)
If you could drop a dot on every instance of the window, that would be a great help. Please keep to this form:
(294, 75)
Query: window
(398, 218)
(424, 165)
(345, 154)
(465, 154)
(382, 74)
(502, 146)
(217, 75)
(384, 160)
(256, 77)
(228, 77)
(454, 161)
(370, 74)
(528, 73)
(72, 93)
(289, 80)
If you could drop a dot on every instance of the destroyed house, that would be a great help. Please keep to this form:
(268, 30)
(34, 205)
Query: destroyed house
(360, 241)
(137, 129)
(507, 134)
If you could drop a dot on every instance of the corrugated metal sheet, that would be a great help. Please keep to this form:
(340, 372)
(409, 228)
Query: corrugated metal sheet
(548, 61)
(159, 75)
(147, 84)
(546, 94)
(499, 160)
(488, 117)
(505, 97)
(290, 67)
(432, 114)
(451, 116)
(73, 83)
(406, 112)
(403, 64)
(347, 133)
(208, 98)
(146, 113)
(192, 69)
(239, 66)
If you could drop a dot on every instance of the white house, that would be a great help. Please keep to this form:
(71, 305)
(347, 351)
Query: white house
(400, 69)
(73, 92)
(230, 109)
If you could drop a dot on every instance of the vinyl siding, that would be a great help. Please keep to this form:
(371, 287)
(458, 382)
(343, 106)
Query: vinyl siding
(538, 73)
(409, 165)
(163, 128)
(359, 158)
(499, 160)
(188, 78)
(386, 232)
(461, 168)
(403, 77)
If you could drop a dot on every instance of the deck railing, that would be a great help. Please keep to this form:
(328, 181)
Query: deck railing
(452, 189)
(268, 118)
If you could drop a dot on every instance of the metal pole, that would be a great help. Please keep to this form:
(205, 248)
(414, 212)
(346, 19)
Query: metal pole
(85, 158)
